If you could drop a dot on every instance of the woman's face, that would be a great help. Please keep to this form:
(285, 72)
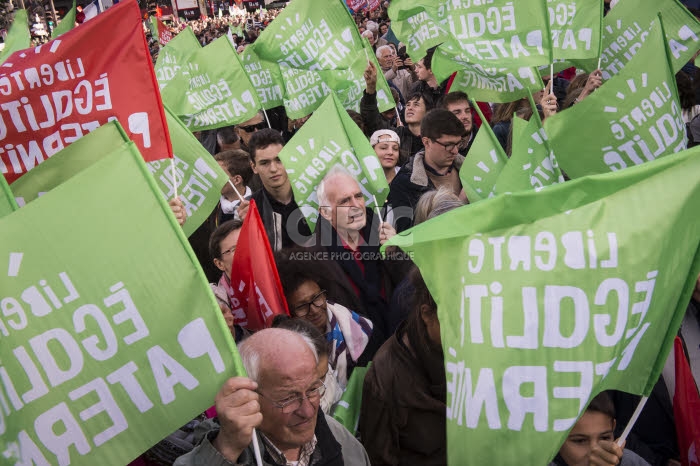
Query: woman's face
(388, 153)
(304, 299)
(593, 427)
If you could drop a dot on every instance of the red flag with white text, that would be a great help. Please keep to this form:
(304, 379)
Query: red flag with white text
(686, 409)
(164, 34)
(254, 278)
(52, 95)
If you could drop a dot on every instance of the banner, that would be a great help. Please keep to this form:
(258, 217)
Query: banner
(7, 199)
(19, 37)
(164, 34)
(175, 55)
(415, 24)
(198, 176)
(626, 27)
(63, 90)
(577, 289)
(112, 338)
(327, 139)
(307, 37)
(484, 162)
(214, 92)
(304, 91)
(265, 76)
(67, 23)
(576, 28)
(258, 294)
(635, 117)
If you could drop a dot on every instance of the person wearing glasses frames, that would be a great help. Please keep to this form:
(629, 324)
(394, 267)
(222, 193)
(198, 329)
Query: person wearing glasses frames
(436, 165)
(281, 401)
(246, 129)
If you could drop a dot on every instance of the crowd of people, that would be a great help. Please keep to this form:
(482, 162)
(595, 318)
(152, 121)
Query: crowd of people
(349, 306)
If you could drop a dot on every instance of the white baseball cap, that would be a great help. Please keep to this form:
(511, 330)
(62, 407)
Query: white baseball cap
(381, 136)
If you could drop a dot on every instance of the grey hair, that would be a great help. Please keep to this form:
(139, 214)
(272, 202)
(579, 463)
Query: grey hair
(372, 26)
(250, 356)
(434, 203)
(383, 47)
(368, 31)
(321, 194)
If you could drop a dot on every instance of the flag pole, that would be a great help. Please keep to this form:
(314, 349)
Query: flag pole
(237, 192)
(551, 78)
(256, 449)
(632, 420)
(172, 167)
(379, 208)
(267, 119)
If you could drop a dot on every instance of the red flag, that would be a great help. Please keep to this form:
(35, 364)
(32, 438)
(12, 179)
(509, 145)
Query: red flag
(164, 34)
(686, 409)
(53, 94)
(254, 277)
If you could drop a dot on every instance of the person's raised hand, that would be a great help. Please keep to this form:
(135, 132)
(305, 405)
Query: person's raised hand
(238, 410)
(243, 209)
(178, 209)
(371, 78)
(548, 101)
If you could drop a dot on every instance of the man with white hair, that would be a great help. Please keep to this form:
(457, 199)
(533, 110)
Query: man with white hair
(394, 71)
(280, 397)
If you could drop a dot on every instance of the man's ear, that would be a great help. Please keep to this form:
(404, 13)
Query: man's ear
(252, 166)
(237, 179)
(425, 140)
(325, 212)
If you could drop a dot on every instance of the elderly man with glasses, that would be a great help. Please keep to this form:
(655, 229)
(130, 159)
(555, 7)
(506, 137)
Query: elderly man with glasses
(435, 166)
(281, 399)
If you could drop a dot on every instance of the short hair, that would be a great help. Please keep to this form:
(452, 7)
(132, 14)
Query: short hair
(439, 122)
(357, 118)
(368, 33)
(303, 327)
(372, 26)
(226, 135)
(427, 99)
(454, 97)
(383, 47)
(236, 162)
(262, 139)
(602, 403)
(435, 202)
(250, 355)
(221, 232)
(293, 273)
(336, 170)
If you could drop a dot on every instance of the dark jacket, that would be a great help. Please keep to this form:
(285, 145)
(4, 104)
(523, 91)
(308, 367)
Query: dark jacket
(410, 183)
(402, 419)
(409, 143)
(278, 226)
(199, 240)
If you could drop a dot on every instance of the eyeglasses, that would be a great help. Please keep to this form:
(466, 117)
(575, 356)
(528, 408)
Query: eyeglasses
(231, 250)
(449, 147)
(318, 300)
(253, 128)
(292, 403)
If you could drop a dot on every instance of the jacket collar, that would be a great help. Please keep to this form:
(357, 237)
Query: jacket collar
(419, 175)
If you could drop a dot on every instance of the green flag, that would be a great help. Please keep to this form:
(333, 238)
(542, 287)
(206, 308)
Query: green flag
(214, 92)
(19, 37)
(265, 76)
(304, 91)
(308, 37)
(635, 117)
(576, 29)
(237, 30)
(69, 161)
(66, 24)
(7, 199)
(175, 55)
(327, 139)
(532, 163)
(414, 24)
(347, 411)
(547, 298)
(349, 84)
(198, 176)
(111, 336)
(483, 163)
(627, 26)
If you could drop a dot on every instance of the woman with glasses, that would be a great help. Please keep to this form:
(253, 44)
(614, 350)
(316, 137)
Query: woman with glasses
(349, 333)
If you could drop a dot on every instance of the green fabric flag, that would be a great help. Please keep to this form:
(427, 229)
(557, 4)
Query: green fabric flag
(304, 91)
(237, 30)
(265, 76)
(635, 117)
(562, 294)
(532, 163)
(214, 92)
(175, 55)
(327, 139)
(198, 176)
(7, 199)
(69, 161)
(66, 24)
(483, 163)
(153, 26)
(347, 411)
(414, 24)
(576, 29)
(349, 85)
(626, 26)
(308, 37)
(111, 336)
(19, 37)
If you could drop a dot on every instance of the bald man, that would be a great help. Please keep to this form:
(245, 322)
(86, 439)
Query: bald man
(281, 399)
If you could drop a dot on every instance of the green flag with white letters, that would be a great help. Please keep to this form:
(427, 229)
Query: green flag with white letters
(7, 199)
(576, 28)
(327, 139)
(265, 76)
(111, 336)
(18, 37)
(304, 91)
(214, 92)
(175, 55)
(415, 24)
(635, 117)
(484, 162)
(310, 37)
(547, 298)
